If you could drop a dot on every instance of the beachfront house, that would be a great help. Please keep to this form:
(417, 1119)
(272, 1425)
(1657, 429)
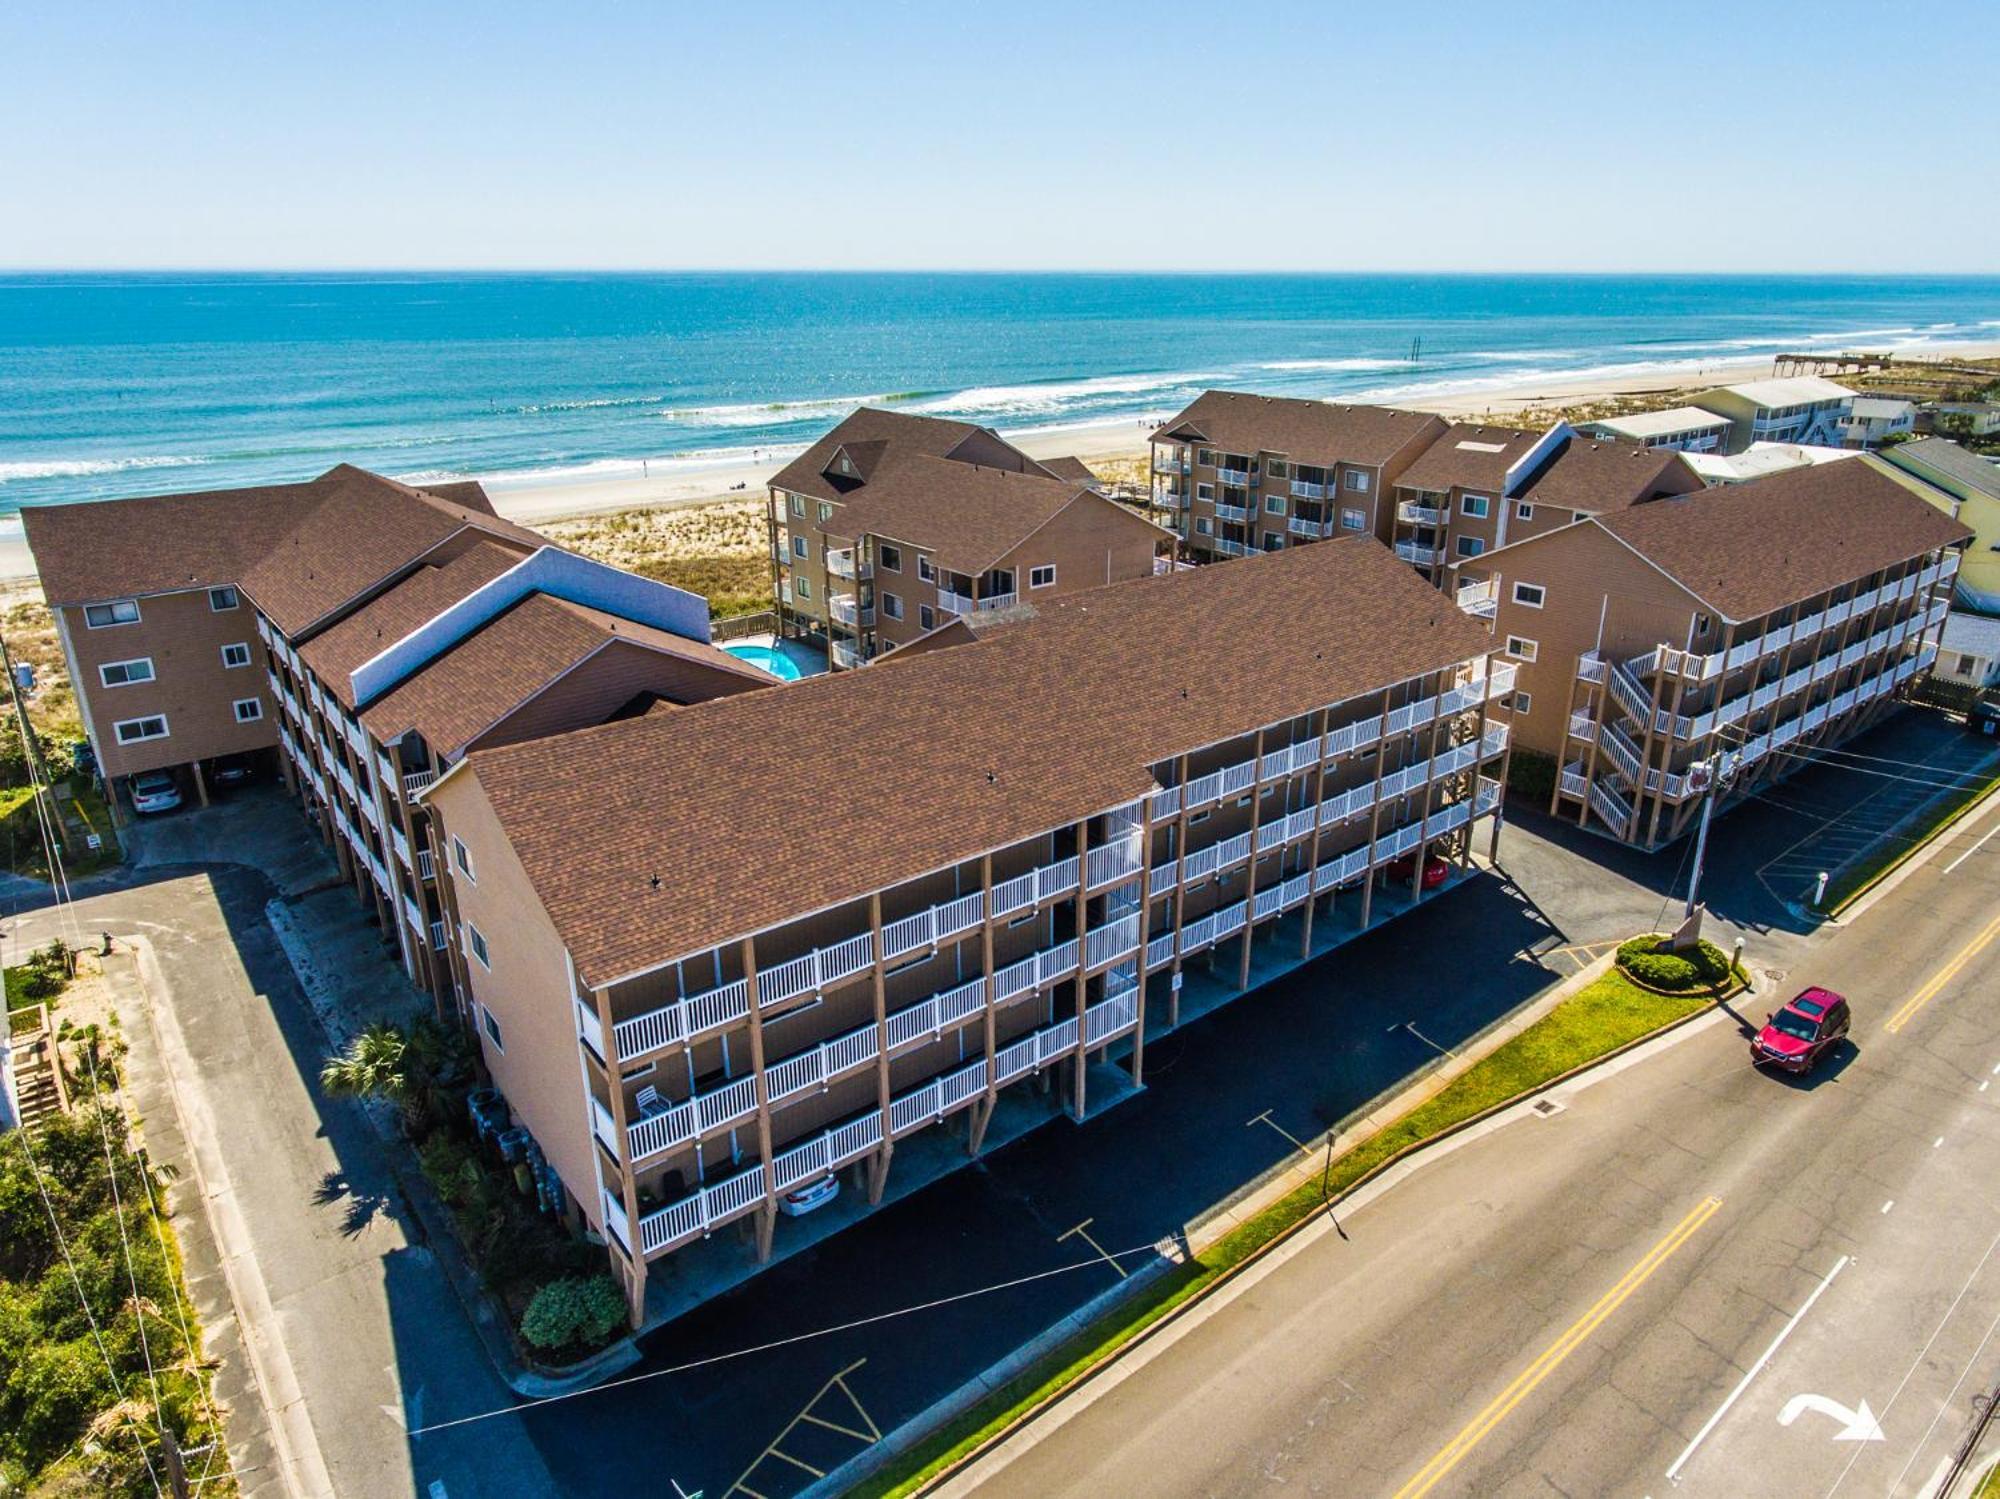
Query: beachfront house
(1963, 419)
(1247, 473)
(916, 910)
(892, 526)
(1688, 429)
(1873, 420)
(355, 637)
(1731, 632)
(1967, 487)
(1797, 409)
(1970, 651)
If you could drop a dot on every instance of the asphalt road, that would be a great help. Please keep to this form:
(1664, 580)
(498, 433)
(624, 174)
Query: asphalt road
(1583, 1303)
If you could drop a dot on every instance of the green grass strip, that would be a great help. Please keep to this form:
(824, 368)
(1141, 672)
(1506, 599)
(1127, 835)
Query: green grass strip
(1595, 1021)
(1892, 852)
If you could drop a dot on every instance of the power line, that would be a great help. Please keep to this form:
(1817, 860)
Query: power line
(124, 1240)
(803, 1337)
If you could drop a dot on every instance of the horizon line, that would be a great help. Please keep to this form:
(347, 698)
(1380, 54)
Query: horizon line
(779, 270)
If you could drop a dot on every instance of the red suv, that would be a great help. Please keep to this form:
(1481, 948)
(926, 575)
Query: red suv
(1796, 1037)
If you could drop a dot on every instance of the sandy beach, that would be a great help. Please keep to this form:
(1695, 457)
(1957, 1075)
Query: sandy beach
(679, 484)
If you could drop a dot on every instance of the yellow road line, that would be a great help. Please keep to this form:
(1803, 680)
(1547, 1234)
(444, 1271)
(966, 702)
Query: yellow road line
(1942, 977)
(1433, 1472)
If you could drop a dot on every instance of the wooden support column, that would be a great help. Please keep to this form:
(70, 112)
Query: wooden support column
(878, 1165)
(1180, 897)
(1659, 797)
(1145, 930)
(627, 1185)
(1375, 808)
(777, 573)
(1479, 769)
(1630, 833)
(1250, 870)
(1082, 945)
(767, 1213)
(200, 782)
(1312, 845)
(982, 1111)
(1422, 851)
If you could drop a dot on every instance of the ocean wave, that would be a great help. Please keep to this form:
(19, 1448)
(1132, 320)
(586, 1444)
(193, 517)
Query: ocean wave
(83, 468)
(777, 413)
(1335, 364)
(664, 467)
(1052, 396)
(596, 403)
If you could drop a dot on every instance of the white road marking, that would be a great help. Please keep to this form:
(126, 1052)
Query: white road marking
(1857, 1425)
(1937, 1142)
(1973, 850)
(1673, 1473)
(1985, 1085)
(1889, 1204)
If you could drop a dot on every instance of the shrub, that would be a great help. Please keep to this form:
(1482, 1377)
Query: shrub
(1531, 775)
(577, 1312)
(1649, 960)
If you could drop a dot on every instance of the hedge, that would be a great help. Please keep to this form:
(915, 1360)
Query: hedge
(1649, 960)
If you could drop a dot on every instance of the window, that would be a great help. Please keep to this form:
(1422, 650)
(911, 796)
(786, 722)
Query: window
(1203, 526)
(486, 1020)
(797, 505)
(1274, 504)
(801, 548)
(804, 585)
(236, 655)
(926, 616)
(461, 858)
(138, 730)
(1968, 666)
(1207, 492)
(1023, 919)
(1356, 481)
(1470, 546)
(1043, 576)
(223, 599)
(1354, 520)
(1277, 468)
(117, 612)
(1529, 595)
(1520, 703)
(889, 558)
(1207, 456)
(1476, 505)
(247, 709)
(825, 512)
(1523, 510)
(892, 606)
(1197, 817)
(1273, 542)
(1702, 625)
(925, 571)
(126, 673)
(1521, 648)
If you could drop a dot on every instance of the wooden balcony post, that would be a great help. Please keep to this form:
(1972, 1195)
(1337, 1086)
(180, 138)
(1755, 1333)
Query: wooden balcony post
(1145, 929)
(627, 1183)
(1250, 870)
(1312, 847)
(1180, 898)
(767, 1213)
(1423, 848)
(982, 1111)
(1478, 769)
(1375, 808)
(1082, 950)
(878, 1164)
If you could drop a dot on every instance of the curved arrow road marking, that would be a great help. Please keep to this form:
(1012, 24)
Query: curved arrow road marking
(1858, 1425)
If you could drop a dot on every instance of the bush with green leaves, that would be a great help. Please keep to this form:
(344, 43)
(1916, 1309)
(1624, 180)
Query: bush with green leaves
(1531, 775)
(577, 1312)
(1649, 960)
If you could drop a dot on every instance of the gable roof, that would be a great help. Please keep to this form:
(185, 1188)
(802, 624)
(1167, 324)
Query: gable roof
(1644, 424)
(1947, 460)
(1469, 455)
(1312, 432)
(1752, 548)
(869, 433)
(465, 691)
(298, 550)
(1599, 474)
(1072, 470)
(1054, 718)
(1791, 390)
(335, 652)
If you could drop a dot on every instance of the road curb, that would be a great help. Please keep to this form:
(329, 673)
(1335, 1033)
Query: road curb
(1863, 901)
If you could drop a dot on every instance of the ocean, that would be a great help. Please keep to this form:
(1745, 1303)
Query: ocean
(120, 384)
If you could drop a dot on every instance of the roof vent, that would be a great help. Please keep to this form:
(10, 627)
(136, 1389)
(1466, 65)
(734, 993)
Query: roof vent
(992, 779)
(655, 882)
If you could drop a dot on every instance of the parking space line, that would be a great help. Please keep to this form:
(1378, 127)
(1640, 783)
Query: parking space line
(1082, 1231)
(1974, 849)
(1453, 1452)
(867, 1438)
(1265, 1118)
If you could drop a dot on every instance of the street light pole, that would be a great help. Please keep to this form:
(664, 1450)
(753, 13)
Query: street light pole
(1713, 772)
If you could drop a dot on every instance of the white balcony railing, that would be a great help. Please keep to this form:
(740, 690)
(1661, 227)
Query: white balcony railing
(1420, 556)
(1413, 514)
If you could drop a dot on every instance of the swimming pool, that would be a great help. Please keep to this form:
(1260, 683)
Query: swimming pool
(768, 658)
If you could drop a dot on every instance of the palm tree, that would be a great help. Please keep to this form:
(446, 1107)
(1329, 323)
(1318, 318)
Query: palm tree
(387, 1062)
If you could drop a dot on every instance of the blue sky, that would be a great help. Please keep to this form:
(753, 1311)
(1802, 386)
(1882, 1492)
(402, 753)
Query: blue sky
(1339, 136)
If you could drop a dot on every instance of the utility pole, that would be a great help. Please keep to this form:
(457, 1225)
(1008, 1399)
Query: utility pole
(31, 752)
(170, 1449)
(1714, 773)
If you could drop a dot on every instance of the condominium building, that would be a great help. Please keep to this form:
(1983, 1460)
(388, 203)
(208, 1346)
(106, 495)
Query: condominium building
(1966, 487)
(1248, 473)
(1873, 420)
(1733, 632)
(726, 955)
(1478, 488)
(891, 525)
(1687, 429)
(354, 636)
(1799, 408)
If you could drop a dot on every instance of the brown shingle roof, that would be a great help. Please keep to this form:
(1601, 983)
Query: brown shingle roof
(1469, 456)
(386, 619)
(1072, 469)
(1020, 731)
(1311, 432)
(298, 550)
(1748, 549)
(868, 432)
(472, 686)
(1601, 474)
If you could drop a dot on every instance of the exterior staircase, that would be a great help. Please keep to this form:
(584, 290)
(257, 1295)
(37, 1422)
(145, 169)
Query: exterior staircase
(37, 1079)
